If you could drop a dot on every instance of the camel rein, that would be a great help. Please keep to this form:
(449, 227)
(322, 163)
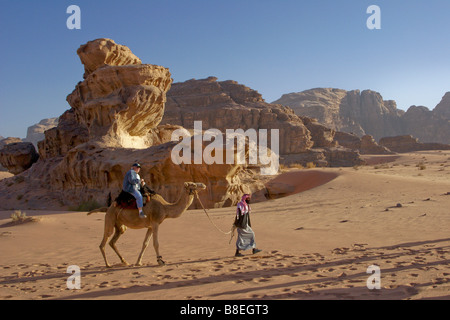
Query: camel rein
(233, 228)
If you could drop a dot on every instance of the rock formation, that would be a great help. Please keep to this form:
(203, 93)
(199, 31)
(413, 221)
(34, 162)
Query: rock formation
(4, 142)
(59, 140)
(9, 140)
(35, 133)
(229, 105)
(408, 143)
(121, 99)
(113, 122)
(366, 112)
(18, 157)
(429, 126)
(105, 52)
(365, 145)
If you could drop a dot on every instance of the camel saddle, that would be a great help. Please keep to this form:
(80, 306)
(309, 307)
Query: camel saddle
(126, 200)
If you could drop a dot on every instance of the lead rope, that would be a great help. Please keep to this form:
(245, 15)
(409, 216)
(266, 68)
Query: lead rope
(233, 227)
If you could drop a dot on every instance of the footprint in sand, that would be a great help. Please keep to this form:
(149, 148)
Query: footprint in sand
(217, 268)
(104, 284)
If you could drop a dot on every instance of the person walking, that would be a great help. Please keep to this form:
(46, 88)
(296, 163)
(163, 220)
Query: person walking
(246, 236)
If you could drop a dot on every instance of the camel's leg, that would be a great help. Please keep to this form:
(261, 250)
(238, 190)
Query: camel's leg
(109, 228)
(112, 243)
(144, 246)
(156, 245)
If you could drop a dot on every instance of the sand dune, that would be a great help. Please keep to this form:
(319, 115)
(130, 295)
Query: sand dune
(317, 243)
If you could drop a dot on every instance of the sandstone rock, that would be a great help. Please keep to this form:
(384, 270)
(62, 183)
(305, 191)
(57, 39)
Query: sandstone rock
(35, 133)
(9, 140)
(88, 172)
(119, 105)
(320, 135)
(443, 108)
(370, 146)
(120, 100)
(102, 52)
(18, 157)
(366, 113)
(349, 111)
(67, 135)
(229, 105)
(408, 143)
(365, 145)
(4, 142)
(348, 140)
(429, 126)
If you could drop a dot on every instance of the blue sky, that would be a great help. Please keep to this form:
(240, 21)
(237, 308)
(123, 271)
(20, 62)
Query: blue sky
(274, 47)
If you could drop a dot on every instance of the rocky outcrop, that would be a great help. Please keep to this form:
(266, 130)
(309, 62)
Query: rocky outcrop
(228, 105)
(35, 133)
(105, 52)
(18, 157)
(349, 111)
(120, 100)
(321, 136)
(59, 140)
(4, 142)
(427, 125)
(365, 145)
(408, 143)
(366, 113)
(9, 140)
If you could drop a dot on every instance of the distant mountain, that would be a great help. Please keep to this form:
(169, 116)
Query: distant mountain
(35, 133)
(366, 112)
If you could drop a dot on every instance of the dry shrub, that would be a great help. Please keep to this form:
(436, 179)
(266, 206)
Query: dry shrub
(20, 217)
(310, 165)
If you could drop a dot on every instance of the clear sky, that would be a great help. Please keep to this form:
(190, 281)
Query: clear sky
(274, 47)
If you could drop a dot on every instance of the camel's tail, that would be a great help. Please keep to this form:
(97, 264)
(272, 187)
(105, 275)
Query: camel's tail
(104, 209)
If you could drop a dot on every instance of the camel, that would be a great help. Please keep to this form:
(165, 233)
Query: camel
(157, 210)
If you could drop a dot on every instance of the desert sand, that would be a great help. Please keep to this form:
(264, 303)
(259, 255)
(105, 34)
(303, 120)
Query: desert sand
(317, 243)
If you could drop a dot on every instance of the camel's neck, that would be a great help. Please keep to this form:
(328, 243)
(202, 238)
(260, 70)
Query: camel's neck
(178, 208)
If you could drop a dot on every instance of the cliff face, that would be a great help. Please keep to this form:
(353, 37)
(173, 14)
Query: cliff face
(366, 112)
(429, 125)
(229, 105)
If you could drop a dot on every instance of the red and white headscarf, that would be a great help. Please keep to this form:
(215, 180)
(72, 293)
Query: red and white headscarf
(243, 206)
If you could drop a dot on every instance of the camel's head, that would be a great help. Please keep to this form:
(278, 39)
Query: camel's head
(191, 187)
